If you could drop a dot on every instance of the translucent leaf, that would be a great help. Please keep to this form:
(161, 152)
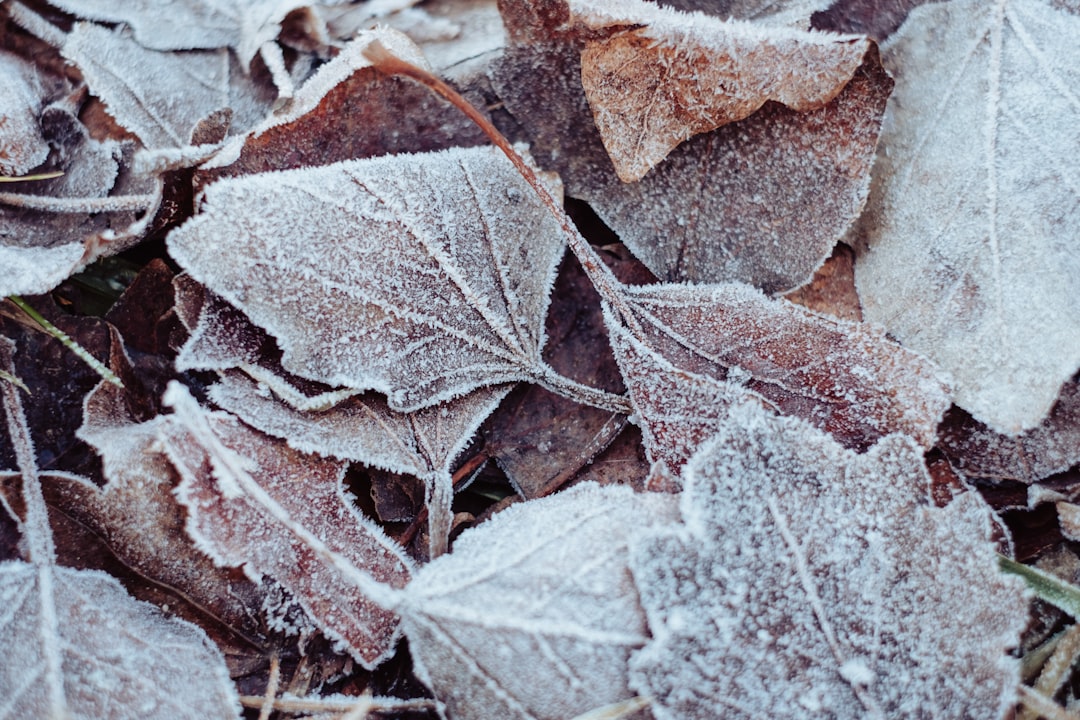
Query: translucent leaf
(22, 147)
(256, 503)
(533, 615)
(761, 201)
(968, 253)
(159, 96)
(654, 77)
(846, 378)
(843, 591)
(420, 276)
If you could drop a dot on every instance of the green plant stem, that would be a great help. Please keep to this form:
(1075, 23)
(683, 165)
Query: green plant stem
(1053, 590)
(95, 364)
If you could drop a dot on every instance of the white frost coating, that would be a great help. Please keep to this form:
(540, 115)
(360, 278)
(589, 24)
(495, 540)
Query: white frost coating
(834, 565)
(36, 270)
(22, 146)
(121, 658)
(652, 87)
(533, 615)
(420, 276)
(971, 227)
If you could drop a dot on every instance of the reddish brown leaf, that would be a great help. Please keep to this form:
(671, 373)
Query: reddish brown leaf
(254, 502)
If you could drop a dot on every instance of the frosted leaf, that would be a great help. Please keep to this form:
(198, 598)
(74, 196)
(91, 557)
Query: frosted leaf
(654, 77)
(256, 503)
(533, 615)
(843, 591)
(420, 276)
(364, 429)
(22, 147)
(795, 13)
(844, 377)
(159, 96)
(877, 18)
(77, 642)
(761, 201)
(140, 519)
(195, 24)
(676, 410)
(968, 250)
(1051, 447)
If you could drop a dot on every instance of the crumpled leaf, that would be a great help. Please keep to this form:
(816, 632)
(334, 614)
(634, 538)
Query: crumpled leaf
(655, 77)
(22, 147)
(77, 644)
(843, 377)
(254, 502)
(161, 96)
(533, 615)
(762, 201)
(967, 253)
(1051, 447)
(420, 276)
(844, 592)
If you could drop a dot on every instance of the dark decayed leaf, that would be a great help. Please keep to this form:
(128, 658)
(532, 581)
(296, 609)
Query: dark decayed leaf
(843, 593)
(877, 18)
(762, 201)
(420, 276)
(1051, 447)
(533, 615)
(655, 77)
(965, 251)
(254, 502)
(76, 644)
(846, 378)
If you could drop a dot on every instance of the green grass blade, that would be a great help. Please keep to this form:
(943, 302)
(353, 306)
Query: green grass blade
(70, 344)
(15, 381)
(23, 178)
(1053, 590)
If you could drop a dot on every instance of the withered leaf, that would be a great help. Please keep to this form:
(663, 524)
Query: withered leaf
(138, 516)
(877, 18)
(762, 200)
(364, 429)
(254, 502)
(420, 276)
(346, 111)
(655, 77)
(964, 254)
(161, 96)
(843, 377)
(22, 146)
(533, 615)
(1051, 447)
(826, 599)
(77, 644)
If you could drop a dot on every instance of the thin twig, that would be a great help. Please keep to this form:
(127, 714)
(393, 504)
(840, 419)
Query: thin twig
(115, 203)
(272, 684)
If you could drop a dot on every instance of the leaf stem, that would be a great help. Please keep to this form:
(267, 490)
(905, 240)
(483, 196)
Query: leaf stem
(603, 279)
(82, 353)
(114, 203)
(562, 385)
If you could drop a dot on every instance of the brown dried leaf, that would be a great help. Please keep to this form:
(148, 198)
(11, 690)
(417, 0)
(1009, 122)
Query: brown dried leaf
(420, 276)
(533, 615)
(256, 503)
(962, 254)
(139, 518)
(761, 201)
(655, 77)
(827, 603)
(832, 289)
(1051, 447)
(846, 378)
